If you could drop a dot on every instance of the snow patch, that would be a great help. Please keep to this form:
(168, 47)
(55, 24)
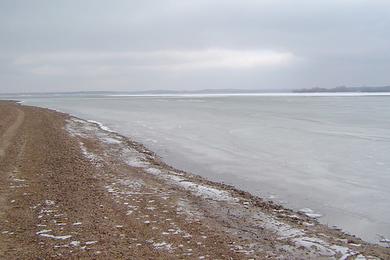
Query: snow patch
(110, 140)
(163, 246)
(49, 202)
(133, 158)
(90, 156)
(153, 171)
(135, 162)
(18, 180)
(74, 243)
(201, 190)
(91, 242)
(101, 126)
(55, 237)
(301, 239)
(310, 213)
(43, 231)
(134, 184)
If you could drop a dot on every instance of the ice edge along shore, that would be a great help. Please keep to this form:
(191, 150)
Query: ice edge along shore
(141, 158)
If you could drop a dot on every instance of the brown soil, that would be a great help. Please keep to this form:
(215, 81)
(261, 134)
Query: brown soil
(57, 203)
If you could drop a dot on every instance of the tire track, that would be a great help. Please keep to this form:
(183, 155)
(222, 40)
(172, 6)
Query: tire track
(5, 140)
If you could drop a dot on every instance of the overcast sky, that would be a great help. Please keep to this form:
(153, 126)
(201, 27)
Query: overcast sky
(71, 45)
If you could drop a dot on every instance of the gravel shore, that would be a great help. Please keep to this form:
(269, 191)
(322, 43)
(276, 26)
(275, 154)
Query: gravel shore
(70, 188)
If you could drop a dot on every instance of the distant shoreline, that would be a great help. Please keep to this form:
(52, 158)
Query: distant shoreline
(343, 89)
(308, 94)
(277, 94)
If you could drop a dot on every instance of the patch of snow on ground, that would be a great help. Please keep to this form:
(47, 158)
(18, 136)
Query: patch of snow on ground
(74, 243)
(346, 252)
(135, 162)
(153, 171)
(43, 231)
(197, 189)
(90, 156)
(49, 202)
(300, 238)
(110, 140)
(133, 158)
(101, 126)
(19, 180)
(133, 184)
(163, 246)
(310, 213)
(185, 207)
(55, 237)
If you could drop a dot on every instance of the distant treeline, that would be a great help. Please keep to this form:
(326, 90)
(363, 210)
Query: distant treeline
(344, 89)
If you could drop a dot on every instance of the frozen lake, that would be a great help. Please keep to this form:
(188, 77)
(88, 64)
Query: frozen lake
(327, 153)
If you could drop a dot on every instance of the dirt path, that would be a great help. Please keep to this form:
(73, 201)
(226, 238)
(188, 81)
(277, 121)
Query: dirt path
(70, 190)
(7, 136)
(9, 129)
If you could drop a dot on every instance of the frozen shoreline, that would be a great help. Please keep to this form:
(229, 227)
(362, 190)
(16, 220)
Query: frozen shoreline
(135, 162)
(220, 192)
(259, 163)
(304, 211)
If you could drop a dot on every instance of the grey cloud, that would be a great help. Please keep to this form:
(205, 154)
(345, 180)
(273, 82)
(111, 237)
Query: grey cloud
(127, 45)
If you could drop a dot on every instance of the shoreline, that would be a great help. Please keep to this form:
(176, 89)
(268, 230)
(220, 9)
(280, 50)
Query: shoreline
(309, 209)
(305, 213)
(270, 228)
(259, 94)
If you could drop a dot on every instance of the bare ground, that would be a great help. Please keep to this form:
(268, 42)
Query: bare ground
(69, 189)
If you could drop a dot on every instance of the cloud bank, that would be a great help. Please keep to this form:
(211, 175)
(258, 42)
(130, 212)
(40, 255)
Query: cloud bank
(162, 60)
(195, 44)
